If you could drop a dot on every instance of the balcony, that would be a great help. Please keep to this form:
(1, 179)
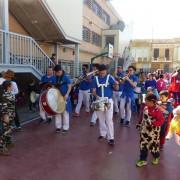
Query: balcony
(162, 59)
(49, 21)
(142, 60)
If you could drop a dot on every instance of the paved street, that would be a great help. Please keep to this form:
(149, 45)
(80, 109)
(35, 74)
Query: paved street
(42, 154)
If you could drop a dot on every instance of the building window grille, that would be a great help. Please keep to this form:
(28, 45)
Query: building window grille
(86, 34)
(105, 17)
(139, 59)
(145, 59)
(88, 3)
(97, 9)
(156, 53)
(167, 54)
(96, 39)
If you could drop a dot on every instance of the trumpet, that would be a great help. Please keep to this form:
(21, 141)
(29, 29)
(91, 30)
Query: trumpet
(121, 79)
(81, 78)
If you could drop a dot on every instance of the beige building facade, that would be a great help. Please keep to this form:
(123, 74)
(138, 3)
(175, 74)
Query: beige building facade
(151, 55)
(97, 26)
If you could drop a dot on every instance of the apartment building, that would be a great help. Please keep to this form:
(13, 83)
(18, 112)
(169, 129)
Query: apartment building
(156, 54)
(75, 30)
(102, 25)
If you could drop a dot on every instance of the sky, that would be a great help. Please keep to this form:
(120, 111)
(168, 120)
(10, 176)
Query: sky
(151, 18)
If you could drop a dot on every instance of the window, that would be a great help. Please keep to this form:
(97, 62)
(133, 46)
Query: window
(88, 3)
(139, 59)
(167, 54)
(156, 53)
(97, 9)
(96, 39)
(105, 17)
(86, 34)
(110, 40)
(145, 59)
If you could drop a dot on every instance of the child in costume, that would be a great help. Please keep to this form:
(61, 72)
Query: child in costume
(175, 126)
(7, 113)
(149, 128)
(165, 105)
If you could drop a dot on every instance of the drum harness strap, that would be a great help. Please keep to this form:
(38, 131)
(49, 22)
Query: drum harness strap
(103, 100)
(102, 85)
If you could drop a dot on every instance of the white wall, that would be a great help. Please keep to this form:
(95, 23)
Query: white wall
(178, 57)
(69, 14)
(1, 11)
(140, 52)
(124, 38)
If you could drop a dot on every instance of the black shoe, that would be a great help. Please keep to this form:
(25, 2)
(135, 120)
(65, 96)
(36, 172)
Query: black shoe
(18, 128)
(100, 138)
(49, 120)
(58, 130)
(127, 124)
(64, 131)
(121, 121)
(111, 142)
(41, 121)
(92, 124)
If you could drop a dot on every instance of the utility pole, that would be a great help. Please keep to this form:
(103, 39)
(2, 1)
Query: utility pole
(5, 27)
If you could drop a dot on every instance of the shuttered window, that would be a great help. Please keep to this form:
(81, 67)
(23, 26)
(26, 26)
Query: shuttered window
(96, 39)
(86, 34)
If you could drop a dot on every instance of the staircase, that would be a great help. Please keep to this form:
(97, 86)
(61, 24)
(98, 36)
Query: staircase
(22, 54)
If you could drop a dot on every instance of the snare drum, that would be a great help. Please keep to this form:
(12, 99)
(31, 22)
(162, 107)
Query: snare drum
(101, 104)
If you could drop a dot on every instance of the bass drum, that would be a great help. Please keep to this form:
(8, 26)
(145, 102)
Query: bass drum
(52, 101)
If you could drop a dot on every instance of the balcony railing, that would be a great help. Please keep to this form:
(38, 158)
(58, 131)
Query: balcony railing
(162, 59)
(23, 50)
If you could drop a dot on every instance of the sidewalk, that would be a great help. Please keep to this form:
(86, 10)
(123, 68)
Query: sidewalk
(26, 115)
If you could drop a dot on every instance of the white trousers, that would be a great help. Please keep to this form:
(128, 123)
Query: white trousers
(43, 114)
(106, 125)
(116, 100)
(62, 120)
(83, 96)
(125, 109)
(94, 117)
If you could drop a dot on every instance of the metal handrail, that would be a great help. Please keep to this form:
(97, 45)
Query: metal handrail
(23, 50)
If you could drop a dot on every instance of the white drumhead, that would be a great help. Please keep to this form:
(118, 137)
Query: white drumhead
(55, 100)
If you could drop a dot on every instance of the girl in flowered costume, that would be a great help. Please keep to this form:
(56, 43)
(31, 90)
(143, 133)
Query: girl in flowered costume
(175, 126)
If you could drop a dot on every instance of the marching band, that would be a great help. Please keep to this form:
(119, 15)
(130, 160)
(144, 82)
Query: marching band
(98, 91)
(104, 95)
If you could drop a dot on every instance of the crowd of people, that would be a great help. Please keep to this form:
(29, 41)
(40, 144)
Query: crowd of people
(154, 97)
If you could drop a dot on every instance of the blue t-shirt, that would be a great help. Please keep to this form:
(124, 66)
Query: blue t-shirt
(108, 91)
(150, 83)
(63, 82)
(46, 79)
(121, 75)
(84, 85)
(128, 89)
